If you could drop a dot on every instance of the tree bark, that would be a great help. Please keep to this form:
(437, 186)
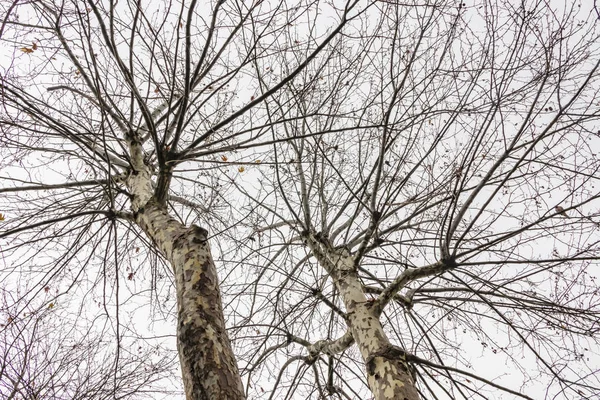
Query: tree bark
(208, 364)
(388, 374)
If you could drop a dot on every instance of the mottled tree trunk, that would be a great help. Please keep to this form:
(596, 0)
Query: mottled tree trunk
(387, 371)
(208, 364)
(207, 361)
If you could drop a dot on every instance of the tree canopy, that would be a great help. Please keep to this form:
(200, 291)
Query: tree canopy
(379, 198)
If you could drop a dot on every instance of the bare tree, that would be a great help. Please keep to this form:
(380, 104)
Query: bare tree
(49, 354)
(383, 182)
(444, 197)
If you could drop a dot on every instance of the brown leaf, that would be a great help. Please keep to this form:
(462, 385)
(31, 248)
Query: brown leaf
(26, 50)
(561, 211)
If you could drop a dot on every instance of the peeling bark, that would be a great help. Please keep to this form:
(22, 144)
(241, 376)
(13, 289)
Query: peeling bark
(388, 375)
(387, 370)
(330, 347)
(207, 361)
(208, 364)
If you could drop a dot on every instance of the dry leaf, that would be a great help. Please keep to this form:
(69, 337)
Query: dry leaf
(241, 169)
(1, 217)
(26, 50)
(561, 211)
(34, 46)
(224, 158)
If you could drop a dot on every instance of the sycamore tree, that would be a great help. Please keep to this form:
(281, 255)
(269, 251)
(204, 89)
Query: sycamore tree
(360, 199)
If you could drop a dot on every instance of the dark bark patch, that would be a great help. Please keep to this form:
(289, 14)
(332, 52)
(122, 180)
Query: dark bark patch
(188, 256)
(199, 234)
(188, 274)
(179, 241)
(371, 366)
(208, 280)
(202, 285)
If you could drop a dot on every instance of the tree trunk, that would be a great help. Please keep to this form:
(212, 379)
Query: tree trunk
(387, 371)
(388, 375)
(208, 364)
